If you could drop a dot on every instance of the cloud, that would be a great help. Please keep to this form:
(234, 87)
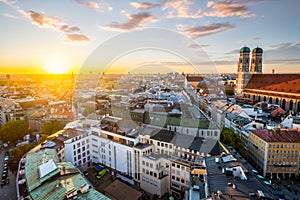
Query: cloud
(281, 46)
(134, 21)
(67, 29)
(233, 52)
(143, 5)
(181, 9)
(209, 29)
(43, 20)
(228, 8)
(76, 38)
(249, 40)
(197, 46)
(89, 4)
(9, 16)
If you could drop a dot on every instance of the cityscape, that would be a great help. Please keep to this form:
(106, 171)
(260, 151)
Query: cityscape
(185, 100)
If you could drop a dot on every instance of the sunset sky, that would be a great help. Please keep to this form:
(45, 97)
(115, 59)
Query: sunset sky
(57, 36)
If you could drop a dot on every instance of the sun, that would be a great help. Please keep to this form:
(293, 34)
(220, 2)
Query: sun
(56, 66)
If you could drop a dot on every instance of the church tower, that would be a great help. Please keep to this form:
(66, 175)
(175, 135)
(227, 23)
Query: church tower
(256, 61)
(243, 75)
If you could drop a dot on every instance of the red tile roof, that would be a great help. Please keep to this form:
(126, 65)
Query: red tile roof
(7, 103)
(278, 135)
(194, 78)
(287, 83)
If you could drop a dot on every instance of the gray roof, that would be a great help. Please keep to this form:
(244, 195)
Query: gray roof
(182, 140)
(164, 135)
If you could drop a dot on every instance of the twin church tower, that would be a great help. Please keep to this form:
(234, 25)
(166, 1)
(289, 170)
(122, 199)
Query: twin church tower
(244, 74)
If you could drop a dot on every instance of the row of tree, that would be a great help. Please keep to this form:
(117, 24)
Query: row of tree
(229, 137)
(16, 130)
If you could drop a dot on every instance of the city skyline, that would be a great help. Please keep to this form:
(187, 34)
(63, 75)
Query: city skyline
(40, 38)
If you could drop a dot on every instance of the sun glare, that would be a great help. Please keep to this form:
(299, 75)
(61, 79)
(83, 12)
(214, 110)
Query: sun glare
(56, 66)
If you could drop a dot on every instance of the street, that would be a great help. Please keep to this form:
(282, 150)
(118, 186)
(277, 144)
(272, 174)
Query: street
(7, 191)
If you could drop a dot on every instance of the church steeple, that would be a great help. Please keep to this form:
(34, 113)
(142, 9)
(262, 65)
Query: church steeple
(243, 75)
(256, 61)
(243, 65)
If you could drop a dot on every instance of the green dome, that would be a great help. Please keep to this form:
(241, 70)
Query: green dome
(257, 50)
(245, 50)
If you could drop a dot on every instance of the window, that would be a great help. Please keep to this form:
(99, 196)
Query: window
(151, 165)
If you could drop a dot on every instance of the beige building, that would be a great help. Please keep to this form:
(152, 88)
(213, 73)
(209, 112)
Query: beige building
(276, 152)
(155, 174)
(180, 177)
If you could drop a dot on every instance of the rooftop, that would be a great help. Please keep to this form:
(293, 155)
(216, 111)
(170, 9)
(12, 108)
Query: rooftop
(287, 83)
(119, 190)
(164, 135)
(42, 164)
(278, 135)
(33, 161)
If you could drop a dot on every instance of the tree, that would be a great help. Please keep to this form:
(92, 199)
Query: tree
(88, 110)
(17, 154)
(14, 130)
(232, 139)
(51, 127)
(229, 92)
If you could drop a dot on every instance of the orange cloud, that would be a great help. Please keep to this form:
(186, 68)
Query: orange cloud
(134, 21)
(227, 8)
(89, 4)
(200, 31)
(76, 38)
(143, 5)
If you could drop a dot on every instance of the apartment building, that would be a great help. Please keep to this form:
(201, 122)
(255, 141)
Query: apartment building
(112, 145)
(155, 174)
(180, 177)
(276, 152)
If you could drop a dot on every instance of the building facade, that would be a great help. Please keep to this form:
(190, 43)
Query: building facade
(275, 152)
(281, 89)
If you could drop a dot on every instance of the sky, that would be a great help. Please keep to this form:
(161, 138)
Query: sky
(55, 36)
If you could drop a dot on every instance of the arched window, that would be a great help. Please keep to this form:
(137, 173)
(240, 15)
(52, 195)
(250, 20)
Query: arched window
(276, 101)
(291, 105)
(283, 104)
(270, 100)
(265, 98)
(258, 98)
(298, 106)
